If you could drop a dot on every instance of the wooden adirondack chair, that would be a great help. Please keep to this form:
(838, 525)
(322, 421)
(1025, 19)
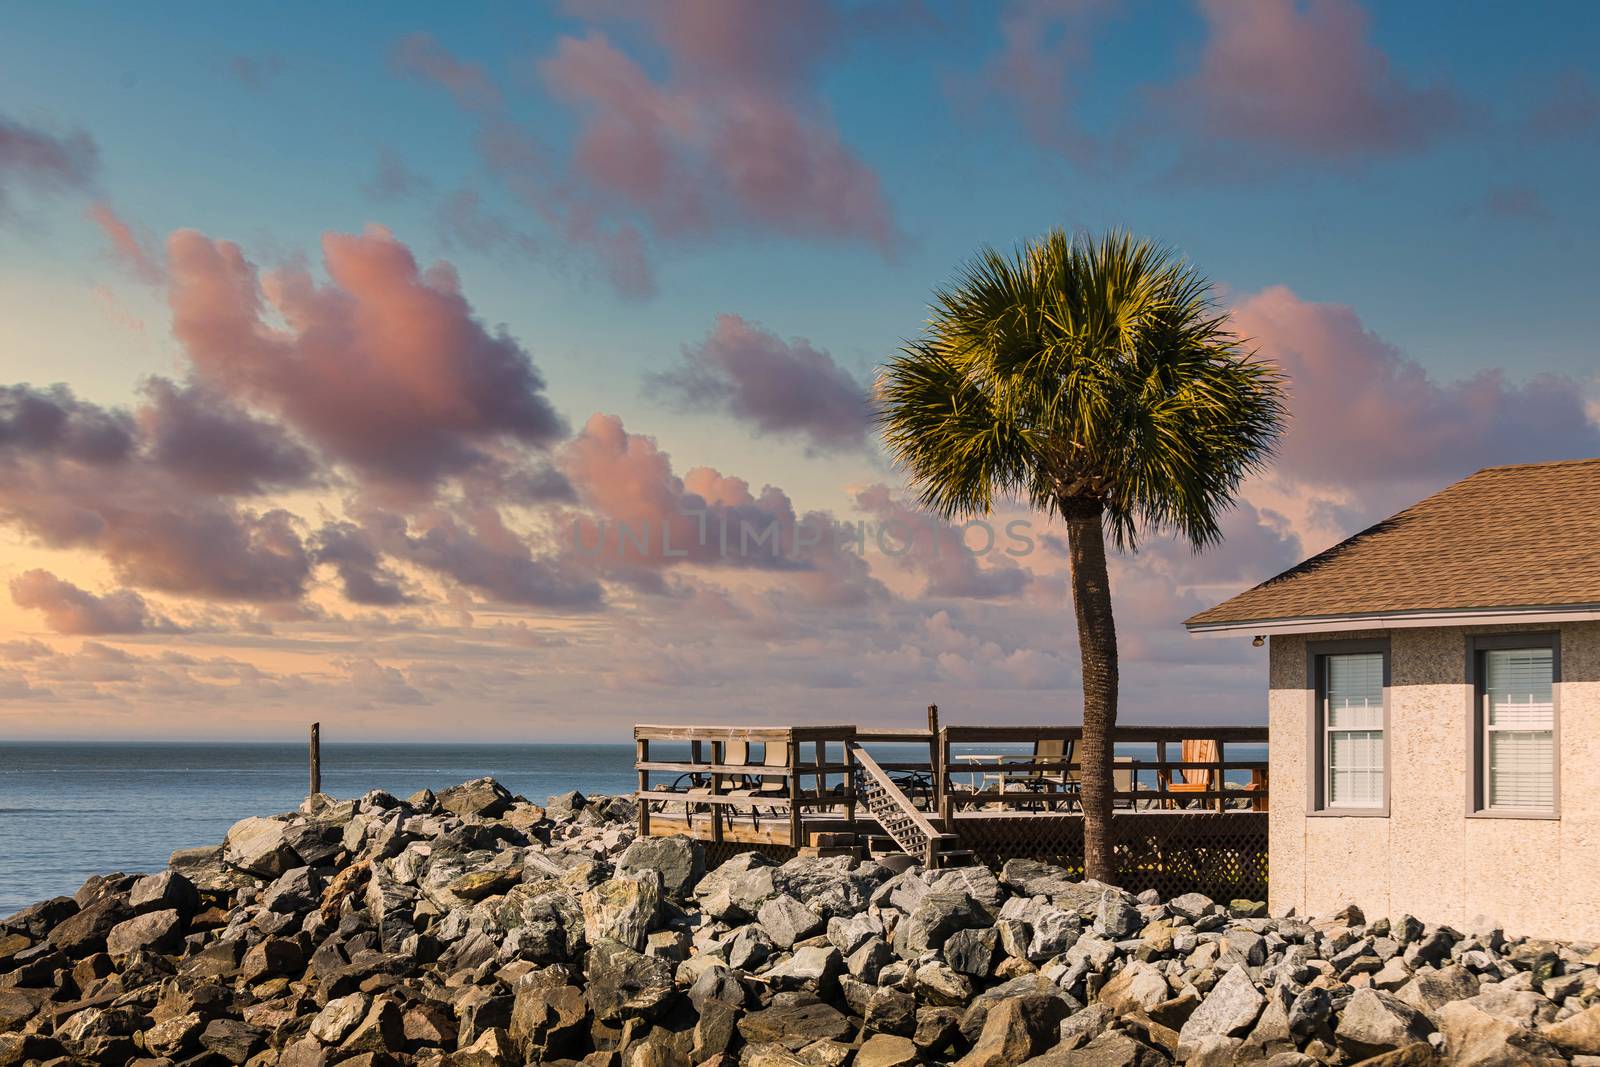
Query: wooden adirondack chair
(1193, 780)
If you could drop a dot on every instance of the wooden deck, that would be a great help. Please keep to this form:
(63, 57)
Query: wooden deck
(1180, 824)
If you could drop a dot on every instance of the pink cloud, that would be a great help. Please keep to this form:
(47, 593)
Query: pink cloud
(1304, 78)
(1045, 49)
(75, 475)
(775, 386)
(137, 253)
(723, 141)
(1363, 411)
(921, 543)
(42, 162)
(385, 367)
(421, 56)
(70, 610)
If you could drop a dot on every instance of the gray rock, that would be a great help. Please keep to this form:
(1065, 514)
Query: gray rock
(972, 952)
(621, 910)
(1430, 990)
(482, 797)
(1034, 879)
(1054, 932)
(1191, 906)
(869, 960)
(339, 1017)
(1374, 1022)
(256, 845)
(1016, 1030)
(936, 984)
(1116, 917)
(155, 931)
(169, 889)
(814, 969)
(785, 920)
(295, 890)
(1475, 1038)
(1229, 1010)
(795, 1020)
(848, 933)
(679, 861)
(625, 984)
(564, 807)
(890, 1011)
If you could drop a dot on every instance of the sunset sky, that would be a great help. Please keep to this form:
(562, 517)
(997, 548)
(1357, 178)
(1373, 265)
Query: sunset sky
(323, 328)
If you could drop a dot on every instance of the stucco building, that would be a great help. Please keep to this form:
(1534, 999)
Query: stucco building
(1434, 708)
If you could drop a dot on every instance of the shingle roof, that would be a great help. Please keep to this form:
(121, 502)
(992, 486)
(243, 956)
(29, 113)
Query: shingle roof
(1507, 537)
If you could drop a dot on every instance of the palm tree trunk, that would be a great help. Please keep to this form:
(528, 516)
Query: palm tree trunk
(1097, 644)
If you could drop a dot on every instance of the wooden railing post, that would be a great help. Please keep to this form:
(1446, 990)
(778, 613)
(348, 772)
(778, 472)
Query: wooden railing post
(641, 755)
(316, 758)
(719, 750)
(850, 782)
(1221, 782)
(796, 831)
(942, 781)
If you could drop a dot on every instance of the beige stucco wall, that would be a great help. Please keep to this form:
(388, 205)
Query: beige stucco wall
(1426, 856)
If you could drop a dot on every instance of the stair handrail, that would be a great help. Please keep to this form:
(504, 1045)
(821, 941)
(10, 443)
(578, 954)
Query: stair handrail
(932, 838)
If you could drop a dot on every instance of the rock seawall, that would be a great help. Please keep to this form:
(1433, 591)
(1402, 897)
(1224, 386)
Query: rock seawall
(476, 928)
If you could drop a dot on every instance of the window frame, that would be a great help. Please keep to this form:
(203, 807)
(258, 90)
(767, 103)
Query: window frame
(1477, 756)
(1316, 728)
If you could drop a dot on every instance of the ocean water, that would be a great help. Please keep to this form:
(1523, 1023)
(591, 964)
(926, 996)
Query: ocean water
(70, 810)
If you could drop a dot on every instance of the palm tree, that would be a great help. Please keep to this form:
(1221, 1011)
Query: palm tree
(1097, 379)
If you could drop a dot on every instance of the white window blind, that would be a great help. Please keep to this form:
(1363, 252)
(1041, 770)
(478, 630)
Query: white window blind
(1519, 729)
(1353, 722)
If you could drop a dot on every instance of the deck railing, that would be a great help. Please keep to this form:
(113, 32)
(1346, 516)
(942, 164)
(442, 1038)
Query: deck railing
(813, 783)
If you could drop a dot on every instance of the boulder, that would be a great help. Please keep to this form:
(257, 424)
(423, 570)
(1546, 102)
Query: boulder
(795, 1020)
(1015, 1031)
(231, 1040)
(381, 1030)
(482, 797)
(1577, 1034)
(814, 969)
(548, 1020)
(156, 931)
(939, 914)
(169, 889)
(85, 931)
(973, 951)
(1229, 1010)
(625, 984)
(1112, 1049)
(621, 910)
(341, 1014)
(785, 920)
(680, 861)
(295, 890)
(1474, 1038)
(1374, 1022)
(887, 1050)
(257, 845)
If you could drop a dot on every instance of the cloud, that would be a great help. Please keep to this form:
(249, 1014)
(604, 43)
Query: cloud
(1363, 412)
(720, 142)
(255, 72)
(218, 447)
(42, 162)
(480, 552)
(70, 610)
(76, 475)
(1570, 108)
(1517, 203)
(421, 56)
(921, 543)
(1045, 49)
(136, 252)
(385, 367)
(362, 576)
(1304, 79)
(775, 386)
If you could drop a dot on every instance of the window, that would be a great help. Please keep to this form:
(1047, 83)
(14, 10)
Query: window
(1349, 717)
(1514, 724)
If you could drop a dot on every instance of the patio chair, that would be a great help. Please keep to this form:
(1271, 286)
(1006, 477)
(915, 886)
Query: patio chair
(1053, 781)
(1124, 780)
(775, 755)
(1195, 779)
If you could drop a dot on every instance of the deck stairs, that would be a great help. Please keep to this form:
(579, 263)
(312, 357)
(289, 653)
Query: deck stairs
(907, 830)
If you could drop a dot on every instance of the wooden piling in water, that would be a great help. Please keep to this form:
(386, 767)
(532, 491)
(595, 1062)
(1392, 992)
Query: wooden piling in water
(316, 758)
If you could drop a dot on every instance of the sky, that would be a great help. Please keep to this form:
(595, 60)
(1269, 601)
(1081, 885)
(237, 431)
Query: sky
(441, 378)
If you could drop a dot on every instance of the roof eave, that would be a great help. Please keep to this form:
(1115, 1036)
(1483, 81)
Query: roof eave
(1309, 624)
